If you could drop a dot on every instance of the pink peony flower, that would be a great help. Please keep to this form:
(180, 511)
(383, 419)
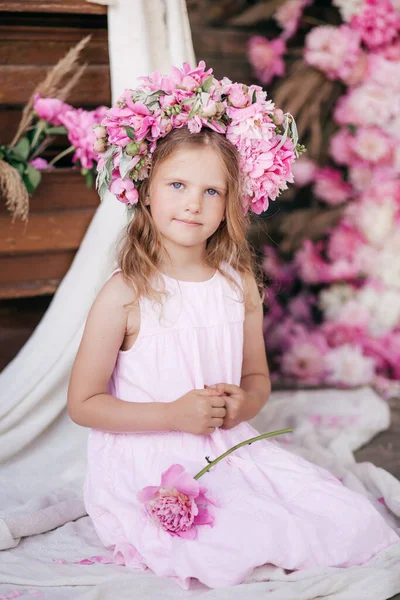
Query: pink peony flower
(384, 72)
(366, 105)
(305, 359)
(314, 269)
(266, 58)
(178, 505)
(237, 97)
(391, 52)
(344, 242)
(40, 163)
(333, 50)
(304, 171)
(370, 144)
(124, 190)
(299, 307)
(184, 78)
(378, 23)
(277, 270)
(50, 109)
(330, 187)
(360, 175)
(338, 334)
(340, 147)
(79, 124)
(288, 16)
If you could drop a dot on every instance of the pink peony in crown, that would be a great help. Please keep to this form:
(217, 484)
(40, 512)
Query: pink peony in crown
(264, 136)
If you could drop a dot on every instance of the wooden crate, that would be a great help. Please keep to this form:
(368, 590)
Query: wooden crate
(35, 256)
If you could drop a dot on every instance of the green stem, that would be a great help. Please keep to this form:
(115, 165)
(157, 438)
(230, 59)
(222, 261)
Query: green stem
(61, 155)
(39, 130)
(245, 443)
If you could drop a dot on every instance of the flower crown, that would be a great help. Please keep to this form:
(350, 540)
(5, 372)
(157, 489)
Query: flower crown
(265, 138)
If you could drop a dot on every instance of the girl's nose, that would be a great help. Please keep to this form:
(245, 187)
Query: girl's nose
(194, 203)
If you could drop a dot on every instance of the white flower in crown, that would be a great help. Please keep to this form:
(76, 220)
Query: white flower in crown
(265, 138)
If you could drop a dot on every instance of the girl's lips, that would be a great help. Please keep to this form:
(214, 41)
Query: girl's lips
(188, 223)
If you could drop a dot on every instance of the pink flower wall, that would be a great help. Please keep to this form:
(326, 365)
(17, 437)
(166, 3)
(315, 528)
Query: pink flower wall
(333, 313)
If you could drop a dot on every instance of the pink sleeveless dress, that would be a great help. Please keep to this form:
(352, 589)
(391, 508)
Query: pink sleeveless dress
(274, 507)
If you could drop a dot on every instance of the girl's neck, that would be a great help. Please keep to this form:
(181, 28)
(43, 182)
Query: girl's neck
(185, 263)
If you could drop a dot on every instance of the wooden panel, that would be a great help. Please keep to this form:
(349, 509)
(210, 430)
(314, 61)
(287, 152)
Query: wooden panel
(9, 119)
(18, 82)
(234, 69)
(61, 189)
(21, 45)
(45, 232)
(26, 289)
(53, 6)
(213, 41)
(31, 267)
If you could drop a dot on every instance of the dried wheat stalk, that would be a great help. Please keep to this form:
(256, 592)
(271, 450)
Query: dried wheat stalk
(53, 85)
(305, 93)
(310, 224)
(14, 191)
(262, 11)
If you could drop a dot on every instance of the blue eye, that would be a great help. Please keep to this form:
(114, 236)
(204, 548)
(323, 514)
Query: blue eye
(215, 193)
(176, 185)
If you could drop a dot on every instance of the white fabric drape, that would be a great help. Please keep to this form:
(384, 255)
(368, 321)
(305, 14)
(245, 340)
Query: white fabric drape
(143, 36)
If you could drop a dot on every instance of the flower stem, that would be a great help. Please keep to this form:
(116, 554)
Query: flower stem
(245, 443)
(39, 130)
(61, 155)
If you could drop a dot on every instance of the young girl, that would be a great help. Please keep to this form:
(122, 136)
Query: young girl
(172, 365)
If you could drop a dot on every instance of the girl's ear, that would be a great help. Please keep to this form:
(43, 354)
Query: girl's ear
(147, 200)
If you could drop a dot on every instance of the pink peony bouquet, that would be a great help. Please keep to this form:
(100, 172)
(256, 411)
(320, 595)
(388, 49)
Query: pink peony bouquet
(333, 304)
(265, 138)
(179, 505)
(58, 118)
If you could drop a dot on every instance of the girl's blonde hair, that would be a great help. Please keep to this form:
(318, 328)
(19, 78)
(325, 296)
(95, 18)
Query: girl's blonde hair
(141, 251)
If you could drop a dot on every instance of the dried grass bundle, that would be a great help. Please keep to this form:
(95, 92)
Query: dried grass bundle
(308, 96)
(54, 84)
(14, 191)
(311, 224)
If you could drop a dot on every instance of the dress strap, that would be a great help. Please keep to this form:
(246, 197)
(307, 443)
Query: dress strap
(113, 273)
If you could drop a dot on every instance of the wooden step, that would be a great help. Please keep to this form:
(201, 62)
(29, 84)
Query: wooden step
(35, 256)
(53, 6)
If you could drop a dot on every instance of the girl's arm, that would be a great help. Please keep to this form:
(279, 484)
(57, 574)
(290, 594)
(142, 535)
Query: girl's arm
(245, 402)
(255, 373)
(89, 404)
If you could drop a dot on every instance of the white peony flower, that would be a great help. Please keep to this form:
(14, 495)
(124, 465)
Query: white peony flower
(384, 308)
(331, 300)
(375, 219)
(384, 265)
(348, 366)
(348, 8)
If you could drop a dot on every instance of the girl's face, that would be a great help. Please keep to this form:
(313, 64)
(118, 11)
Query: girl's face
(188, 196)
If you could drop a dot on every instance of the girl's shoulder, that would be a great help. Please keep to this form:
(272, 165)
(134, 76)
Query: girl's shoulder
(250, 289)
(117, 292)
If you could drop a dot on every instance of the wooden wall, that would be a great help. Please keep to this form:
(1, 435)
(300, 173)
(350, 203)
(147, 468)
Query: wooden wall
(34, 35)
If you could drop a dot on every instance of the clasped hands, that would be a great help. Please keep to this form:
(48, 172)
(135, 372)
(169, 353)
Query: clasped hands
(202, 411)
(237, 403)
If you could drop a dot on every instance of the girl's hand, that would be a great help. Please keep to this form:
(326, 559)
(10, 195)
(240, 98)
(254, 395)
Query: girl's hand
(198, 412)
(240, 405)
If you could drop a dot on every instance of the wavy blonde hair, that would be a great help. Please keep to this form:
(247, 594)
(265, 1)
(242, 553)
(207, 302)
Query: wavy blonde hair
(141, 249)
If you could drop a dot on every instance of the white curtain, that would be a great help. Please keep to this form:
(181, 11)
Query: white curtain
(143, 36)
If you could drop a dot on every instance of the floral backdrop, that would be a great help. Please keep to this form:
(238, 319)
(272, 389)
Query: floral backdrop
(333, 313)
